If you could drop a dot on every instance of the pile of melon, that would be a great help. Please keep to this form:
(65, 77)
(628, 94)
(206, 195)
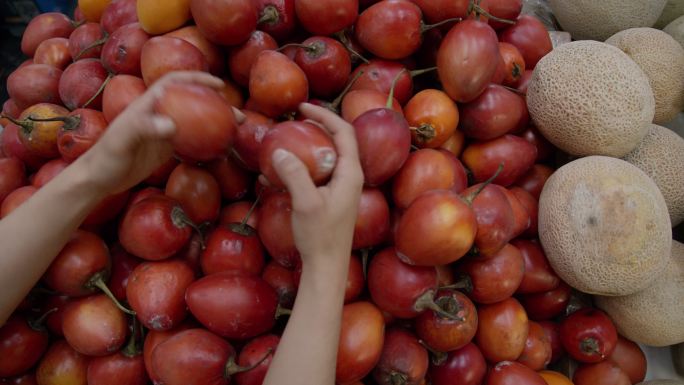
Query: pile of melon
(606, 216)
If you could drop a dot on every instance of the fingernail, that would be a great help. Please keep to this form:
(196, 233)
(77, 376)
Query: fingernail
(163, 124)
(280, 155)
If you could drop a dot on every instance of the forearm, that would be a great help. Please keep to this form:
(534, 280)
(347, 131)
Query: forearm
(307, 352)
(33, 234)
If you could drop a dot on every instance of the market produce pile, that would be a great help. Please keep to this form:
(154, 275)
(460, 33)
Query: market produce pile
(516, 216)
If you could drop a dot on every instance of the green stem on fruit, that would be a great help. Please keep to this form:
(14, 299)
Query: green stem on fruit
(233, 368)
(415, 73)
(37, 324)
(425, 132)
(281, 311)
(70, 122)
(180, 219)
(438, 358)
(77, 24)
(243, 228)
(269, 15)
(590, 346)
(99, 91)
(390, 97)
(133, 347)
(94, 44)
(98, 281)
(478, 10)
(335, 105)
(364, 262)
(471, 197)
(426, 27)
(347, 44)
(396, 378)
(297, 45)
(517, 91)
(427, 302)
(462, 283)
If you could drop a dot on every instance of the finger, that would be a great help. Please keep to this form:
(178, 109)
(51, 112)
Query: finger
(195, 77)
(239, 115)
(341, 131)
(295, 176)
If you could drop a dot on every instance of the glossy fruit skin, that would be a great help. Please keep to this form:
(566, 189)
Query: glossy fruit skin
(15, 199)
(379, 75)
(233, 248)
(81, 259)
(94, 326)
(163, 54)
(40, 138)
(281, 20)
(117, 369)
(495, 278)
(547, 305)
(80, 81)
(512, 373)
(534, 180)
(21, 346)
(504, 9)
(483, 159)
(530, 37)
(158, 18)
(402, 356)
(54, 52)
(196, 190)
(224, 304)
(495, 220)
(467, 60)
(242, 57)
(213, 53)
(496, 112)
(156, 291)
(43, 27)
(308, 142)
(512, 64)
(372, 221)
(544, 148)
(276, 92)
(443, 334)
(588, 335)
(399, 24)
(606, 372)
(435, 117)
(192, 107)
(396, 287)
(12, 146)
(107, 210)
(630, 358)
(62, 365)
(154, 228)
(122, 52)
(465, 366)
(425, 170)
(123, 265)
(12, 176)
(502, 330)
(33, 84)
(250, 135)
(117, 14)
(225, 22)
(234, 180)
(537, 352)
(539, 276)
(436, 229)
(326, 63)
(253, 353)
(192, 357)
(555, 378)
(237, 211)
(282, 280)
(357, 102)
(275, 229)
(326, 17)
(552, 330)
(74, 141)
(532, 207)
(81, 42)
(361, 341)
(521, 214)
(153, 338)
(121, 91)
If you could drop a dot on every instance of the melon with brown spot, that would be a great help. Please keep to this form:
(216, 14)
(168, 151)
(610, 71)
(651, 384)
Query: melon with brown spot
(654, 316)
(604, 226)
(662, 59)
(598, 20)
(661, 156)
(590, 98)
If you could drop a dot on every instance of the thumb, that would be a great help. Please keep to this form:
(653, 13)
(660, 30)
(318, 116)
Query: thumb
(295, 176)
(160, 127)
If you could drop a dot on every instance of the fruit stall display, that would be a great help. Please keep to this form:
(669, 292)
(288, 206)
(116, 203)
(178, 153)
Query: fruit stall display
(515, 226)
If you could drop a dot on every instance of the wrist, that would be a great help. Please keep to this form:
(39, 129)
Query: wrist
(327, 270)
(84, 178)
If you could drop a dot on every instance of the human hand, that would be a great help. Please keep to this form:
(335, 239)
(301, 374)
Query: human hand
(138, 141)
(323, 217)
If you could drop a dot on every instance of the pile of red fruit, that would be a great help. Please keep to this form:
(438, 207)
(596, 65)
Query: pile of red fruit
(447, 283)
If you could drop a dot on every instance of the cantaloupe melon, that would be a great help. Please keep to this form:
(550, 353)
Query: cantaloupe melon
(598, 20)
(662, 59)
(590, 98)
(654, 316)
(604, 226)
(673, 9)
(676, 30)
(661, 156)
